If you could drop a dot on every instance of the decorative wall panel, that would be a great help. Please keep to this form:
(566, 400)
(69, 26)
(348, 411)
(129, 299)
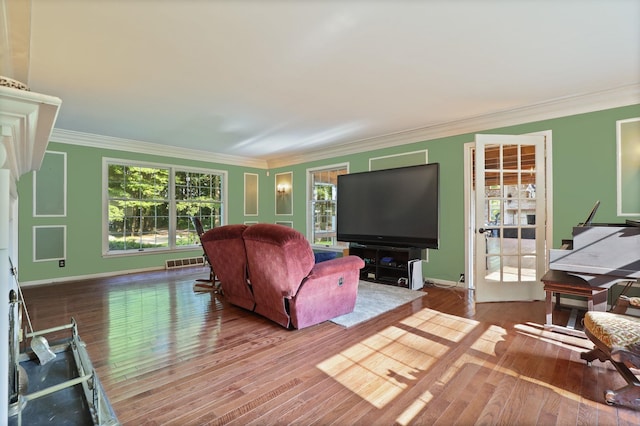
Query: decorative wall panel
(250, 194)
(629, 167)
(50, 185)
(49, 242)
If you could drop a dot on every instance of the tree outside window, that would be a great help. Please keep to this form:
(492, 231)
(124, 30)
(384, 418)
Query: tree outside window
(323, 194)
(149, 208)
(198, 195)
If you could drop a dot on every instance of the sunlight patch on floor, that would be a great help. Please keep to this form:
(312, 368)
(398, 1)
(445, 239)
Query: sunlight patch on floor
(440, 324)
(489, 339)
(567, 341)
(415, 408)
(381, 367)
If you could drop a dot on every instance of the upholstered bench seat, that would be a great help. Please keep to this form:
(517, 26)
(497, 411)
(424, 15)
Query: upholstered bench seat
(616, 337)
(614, 330)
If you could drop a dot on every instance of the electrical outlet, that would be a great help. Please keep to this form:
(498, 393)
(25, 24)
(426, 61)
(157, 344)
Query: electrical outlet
(461, 278)
(61, 263)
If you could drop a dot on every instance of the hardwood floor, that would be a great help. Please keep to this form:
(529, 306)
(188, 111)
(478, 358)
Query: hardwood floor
(167, 355)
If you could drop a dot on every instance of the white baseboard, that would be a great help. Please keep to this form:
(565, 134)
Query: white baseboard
(93, 276)
(443, 283)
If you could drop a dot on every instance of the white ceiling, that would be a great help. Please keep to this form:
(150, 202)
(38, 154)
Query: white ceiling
(270, 79)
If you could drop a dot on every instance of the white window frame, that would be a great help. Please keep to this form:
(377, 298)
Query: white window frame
(107, 161)
(338, 246)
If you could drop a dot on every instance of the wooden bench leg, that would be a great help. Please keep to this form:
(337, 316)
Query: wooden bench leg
(549, 308)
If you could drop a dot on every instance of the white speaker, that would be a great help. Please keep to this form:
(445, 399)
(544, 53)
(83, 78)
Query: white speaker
(416, 282)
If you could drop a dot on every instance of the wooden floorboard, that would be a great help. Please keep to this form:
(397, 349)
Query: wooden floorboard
(167, 355)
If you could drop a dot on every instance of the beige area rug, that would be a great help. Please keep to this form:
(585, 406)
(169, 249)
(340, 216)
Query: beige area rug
(375, 299)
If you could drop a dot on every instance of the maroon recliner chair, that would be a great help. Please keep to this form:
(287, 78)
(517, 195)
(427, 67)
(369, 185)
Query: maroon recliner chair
(288, 286)
(224, 247)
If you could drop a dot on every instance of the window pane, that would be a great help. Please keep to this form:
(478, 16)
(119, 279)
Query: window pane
(494, 268)
(127, 217)
(528, 268)
(199, 195)
(116, 181)
(139, 215)
(324, 185)
(510, 157)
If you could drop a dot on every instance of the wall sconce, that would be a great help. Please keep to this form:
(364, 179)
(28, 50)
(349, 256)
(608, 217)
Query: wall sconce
(284, 193)
(282, 189)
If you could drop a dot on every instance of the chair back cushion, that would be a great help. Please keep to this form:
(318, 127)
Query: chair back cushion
(225, 250)
(279, 258)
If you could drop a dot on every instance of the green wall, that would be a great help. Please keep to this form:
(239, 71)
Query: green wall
(584, 170)
(84, 216)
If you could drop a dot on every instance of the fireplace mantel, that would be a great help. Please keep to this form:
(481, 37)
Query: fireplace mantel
(26, 119)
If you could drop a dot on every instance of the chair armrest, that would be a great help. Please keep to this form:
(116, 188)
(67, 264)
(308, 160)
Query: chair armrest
(624, 302)
(336, 265)
(329, 272)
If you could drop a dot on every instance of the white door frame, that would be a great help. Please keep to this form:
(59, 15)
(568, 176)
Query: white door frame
(469, 206)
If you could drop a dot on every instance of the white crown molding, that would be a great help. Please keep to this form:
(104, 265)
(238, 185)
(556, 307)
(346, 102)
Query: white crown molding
(561, 107)
(72, 137)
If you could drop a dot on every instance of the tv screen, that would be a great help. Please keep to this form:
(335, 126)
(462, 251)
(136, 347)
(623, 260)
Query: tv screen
(393, 207)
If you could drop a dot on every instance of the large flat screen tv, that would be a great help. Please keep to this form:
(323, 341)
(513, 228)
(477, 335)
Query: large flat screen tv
(393, 207)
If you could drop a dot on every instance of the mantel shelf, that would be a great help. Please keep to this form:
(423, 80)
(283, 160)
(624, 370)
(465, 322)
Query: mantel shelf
(26, 122)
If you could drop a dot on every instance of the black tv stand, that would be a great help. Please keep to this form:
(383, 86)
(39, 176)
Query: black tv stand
(384, 264)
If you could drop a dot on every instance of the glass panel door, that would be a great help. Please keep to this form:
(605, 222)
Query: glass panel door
(509, 188)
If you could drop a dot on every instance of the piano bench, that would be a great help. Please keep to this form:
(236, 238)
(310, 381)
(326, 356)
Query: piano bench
(571, 285)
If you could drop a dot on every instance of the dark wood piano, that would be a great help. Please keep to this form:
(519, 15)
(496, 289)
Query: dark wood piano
(598, 257)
